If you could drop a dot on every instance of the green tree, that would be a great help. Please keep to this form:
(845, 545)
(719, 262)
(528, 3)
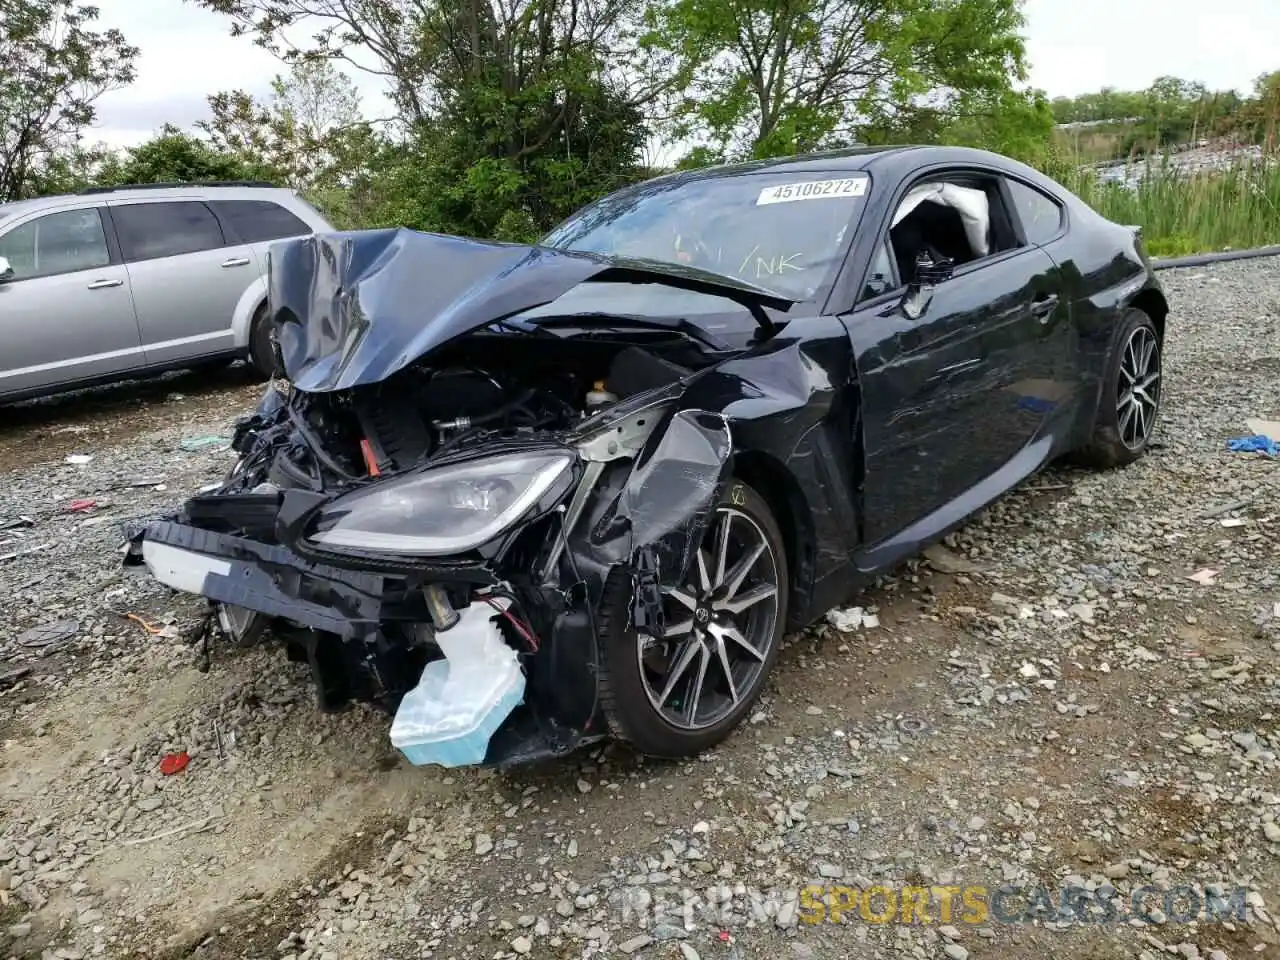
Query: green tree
(1260, 114)
(174, 156)
(510, 114)
(769, 77)
(53, 67)
(301, 135)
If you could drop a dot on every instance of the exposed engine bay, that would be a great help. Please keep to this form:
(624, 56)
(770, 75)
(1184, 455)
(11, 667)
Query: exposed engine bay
(452, 507)
(489, 388)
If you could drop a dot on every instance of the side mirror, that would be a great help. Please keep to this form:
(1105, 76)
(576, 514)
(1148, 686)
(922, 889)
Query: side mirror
(6, 271)
(929, 273)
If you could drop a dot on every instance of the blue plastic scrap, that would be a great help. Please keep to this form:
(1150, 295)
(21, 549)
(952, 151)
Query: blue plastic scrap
(1258, 443)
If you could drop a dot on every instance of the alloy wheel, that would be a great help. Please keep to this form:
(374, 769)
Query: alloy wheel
(1138, 390)
(718, 631)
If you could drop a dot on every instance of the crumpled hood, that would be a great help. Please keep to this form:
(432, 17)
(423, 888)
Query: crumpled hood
(353, 308)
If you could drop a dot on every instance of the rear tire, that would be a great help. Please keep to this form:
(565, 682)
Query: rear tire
(262, 355)
(671, 718)
(1129, 403)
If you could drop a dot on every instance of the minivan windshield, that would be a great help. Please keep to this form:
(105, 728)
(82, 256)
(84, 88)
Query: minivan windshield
(781, 231)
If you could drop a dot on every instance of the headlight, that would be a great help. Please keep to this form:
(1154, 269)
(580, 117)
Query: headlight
(442, 511)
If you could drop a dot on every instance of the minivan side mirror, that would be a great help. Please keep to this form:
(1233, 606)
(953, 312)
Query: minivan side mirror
(6, 271)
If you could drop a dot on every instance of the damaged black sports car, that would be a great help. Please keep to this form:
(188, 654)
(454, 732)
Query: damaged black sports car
(531, 496)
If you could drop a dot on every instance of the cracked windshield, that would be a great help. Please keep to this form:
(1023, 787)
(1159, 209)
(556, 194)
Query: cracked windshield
(778, 231)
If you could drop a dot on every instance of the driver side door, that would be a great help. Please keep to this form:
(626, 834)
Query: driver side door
(943, 430)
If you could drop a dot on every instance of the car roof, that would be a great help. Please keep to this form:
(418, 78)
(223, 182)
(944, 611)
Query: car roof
(225, 190)
(847, 159)
(894, 159)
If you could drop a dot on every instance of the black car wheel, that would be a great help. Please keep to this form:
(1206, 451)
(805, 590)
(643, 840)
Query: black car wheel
(1130, 401)
(683, 692)
(262, 354)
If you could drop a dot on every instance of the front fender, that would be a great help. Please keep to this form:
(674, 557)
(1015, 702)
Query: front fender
(674, 487)
(652, 511)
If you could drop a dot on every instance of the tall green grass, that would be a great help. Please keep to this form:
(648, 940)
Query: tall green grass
(1180, 214)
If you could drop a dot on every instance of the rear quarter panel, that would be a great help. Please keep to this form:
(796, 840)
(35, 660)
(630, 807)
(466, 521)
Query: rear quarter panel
(1105, 272)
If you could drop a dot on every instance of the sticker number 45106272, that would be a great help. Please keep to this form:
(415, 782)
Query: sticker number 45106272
(813, 190)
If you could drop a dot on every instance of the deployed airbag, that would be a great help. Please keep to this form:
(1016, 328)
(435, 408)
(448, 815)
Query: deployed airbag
(970, 204)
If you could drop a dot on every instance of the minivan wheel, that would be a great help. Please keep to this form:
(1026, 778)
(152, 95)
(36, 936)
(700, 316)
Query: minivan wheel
(262, 354)
(684, 692)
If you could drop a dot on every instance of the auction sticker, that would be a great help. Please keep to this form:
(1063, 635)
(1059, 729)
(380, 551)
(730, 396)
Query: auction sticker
(813, 190)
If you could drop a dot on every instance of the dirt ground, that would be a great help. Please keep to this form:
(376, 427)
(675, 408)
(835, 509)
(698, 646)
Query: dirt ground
(1051, 703)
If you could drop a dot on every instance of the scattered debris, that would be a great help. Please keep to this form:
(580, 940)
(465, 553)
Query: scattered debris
(140, 482)
(1254, 444)
(1224, 508)
(1233, 522)
(912, 725)
(22, 553)
(851, 618)
(1204, 577)
(9, 677)
(48, 635)
(191, 444)
(81, 506)
(172, 763)
(945, 560)
(79, 459)
(16, 522)
(1265, 428)
(151, 628)
(199, 826)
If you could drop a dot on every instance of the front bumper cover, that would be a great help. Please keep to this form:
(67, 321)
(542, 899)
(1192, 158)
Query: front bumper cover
(356, 621)
(267, 579)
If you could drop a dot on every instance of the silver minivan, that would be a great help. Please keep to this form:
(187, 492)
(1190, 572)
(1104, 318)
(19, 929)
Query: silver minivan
(118, 282)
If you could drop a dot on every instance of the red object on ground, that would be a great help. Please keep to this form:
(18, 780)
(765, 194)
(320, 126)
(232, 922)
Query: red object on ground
(173, 763)
(80, 506)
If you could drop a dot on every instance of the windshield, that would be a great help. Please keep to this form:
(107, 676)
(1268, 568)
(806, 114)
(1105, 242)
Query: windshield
(781, 231)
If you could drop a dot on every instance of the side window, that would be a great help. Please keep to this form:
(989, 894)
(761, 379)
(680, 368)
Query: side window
(61, 242)
(960, 217)
(880, 278)
(255, 221)
(167, 229)
(1041, 217)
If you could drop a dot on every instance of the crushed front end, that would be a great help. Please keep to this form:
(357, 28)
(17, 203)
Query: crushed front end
(438, 535)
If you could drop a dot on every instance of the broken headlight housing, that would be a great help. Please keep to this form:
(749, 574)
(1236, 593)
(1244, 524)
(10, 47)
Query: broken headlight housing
(441, 511)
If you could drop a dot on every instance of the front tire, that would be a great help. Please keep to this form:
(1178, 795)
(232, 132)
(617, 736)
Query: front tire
(1131, 393)
(685, 692)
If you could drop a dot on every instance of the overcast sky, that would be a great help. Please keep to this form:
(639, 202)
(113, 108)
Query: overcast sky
(1074, 46)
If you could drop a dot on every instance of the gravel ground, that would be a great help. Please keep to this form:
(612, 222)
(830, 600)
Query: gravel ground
(1049, 703)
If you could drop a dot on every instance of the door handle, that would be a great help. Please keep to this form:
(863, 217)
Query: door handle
(103, 284)
(236, 262)
(1043, 306)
